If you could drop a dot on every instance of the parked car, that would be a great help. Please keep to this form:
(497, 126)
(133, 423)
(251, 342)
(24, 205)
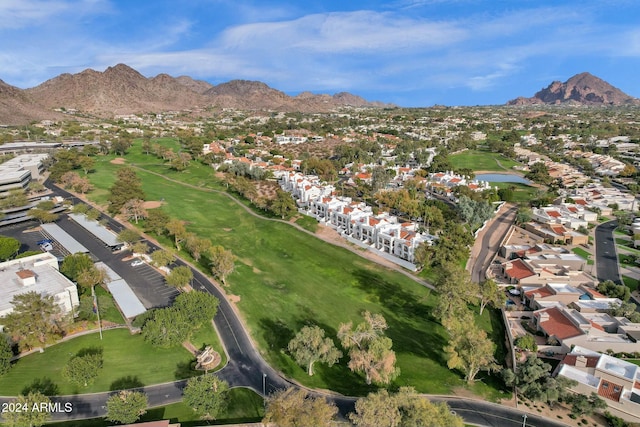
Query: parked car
(46, 246)
(44, 241)
(137, 263)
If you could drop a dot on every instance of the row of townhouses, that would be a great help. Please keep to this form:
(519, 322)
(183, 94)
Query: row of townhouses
(355, 220)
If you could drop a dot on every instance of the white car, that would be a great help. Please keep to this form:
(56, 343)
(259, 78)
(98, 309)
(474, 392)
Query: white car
(46, 247)
(137, 263)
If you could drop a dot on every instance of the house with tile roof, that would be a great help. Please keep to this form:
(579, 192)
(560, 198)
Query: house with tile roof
(566, 327)
(615, 380)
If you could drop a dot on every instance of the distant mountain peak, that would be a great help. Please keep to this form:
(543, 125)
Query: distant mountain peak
(581, 89)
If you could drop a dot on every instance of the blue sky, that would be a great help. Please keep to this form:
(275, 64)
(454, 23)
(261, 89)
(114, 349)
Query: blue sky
(407, 52)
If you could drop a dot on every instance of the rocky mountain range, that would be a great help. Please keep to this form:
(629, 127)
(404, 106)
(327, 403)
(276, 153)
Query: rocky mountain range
(122, 90)
(581, 89)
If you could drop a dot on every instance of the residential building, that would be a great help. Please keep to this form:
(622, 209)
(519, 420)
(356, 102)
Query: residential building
(615, 380)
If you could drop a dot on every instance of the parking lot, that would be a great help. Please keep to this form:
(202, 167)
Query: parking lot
(150, 286)
(145, 281)
(29, 233)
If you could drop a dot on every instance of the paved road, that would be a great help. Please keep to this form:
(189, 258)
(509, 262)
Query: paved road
(606, 258)
(246, 367)
(488, 242)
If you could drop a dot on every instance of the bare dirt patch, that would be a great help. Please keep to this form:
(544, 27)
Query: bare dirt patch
(234, 298)
(152, 204)
(118, 161)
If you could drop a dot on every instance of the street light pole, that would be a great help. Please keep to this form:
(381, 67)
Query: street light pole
(524, 420)
(264, 384)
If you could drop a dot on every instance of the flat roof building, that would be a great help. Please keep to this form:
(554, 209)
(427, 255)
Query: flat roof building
(36, 273)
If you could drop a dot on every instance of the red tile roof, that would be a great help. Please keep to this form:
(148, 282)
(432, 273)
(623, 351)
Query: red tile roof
(517, 269)
(538, 293)
(25, 274)
(610, 390)
(558, 324)
(558, 229)
(570, 359)
(554, 214)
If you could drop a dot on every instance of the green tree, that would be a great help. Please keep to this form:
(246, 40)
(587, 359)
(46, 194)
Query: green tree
(197, 307)
(6, 353)
(310, 346)
(221, 261)
(612, 290)
(167, 327)
(533, 380)
(206, 395)
(470, 351)
(526, 342)
(491, 294)
(295, 408)
(369, 350)
(179, 276)
(74, 264)
(140, 248)
(44, 216)
(86, 163)
(83, 369)
(128, 236)
(91, 277)
(126, 187)
(9, 247)
(455, 292)
(34, 321)
(125, 407)
(197, 245)
(582, 404)
(29, 415)
(162, 257)
(176, 228)
(378, 409)
(403, 409)
(283, 205)
(156, 221)
(134, 209)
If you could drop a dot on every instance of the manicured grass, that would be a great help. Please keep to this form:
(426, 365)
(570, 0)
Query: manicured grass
(631, 282)
(245, 406)
(205, 336)
(286, 279)
(626, 259)
(584, 254)
(521, 192)
(479, 160)
(128, 362)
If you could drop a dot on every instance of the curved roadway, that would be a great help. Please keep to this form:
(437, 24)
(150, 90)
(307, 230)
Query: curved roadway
(247, 368)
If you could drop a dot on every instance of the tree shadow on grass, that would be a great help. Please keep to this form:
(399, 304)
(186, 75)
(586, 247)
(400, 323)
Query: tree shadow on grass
(412, 327)
(186, 370)
(124, 383)
(43, 385)
(90, 351)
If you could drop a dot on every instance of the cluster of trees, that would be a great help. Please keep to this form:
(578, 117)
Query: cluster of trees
(65, 161)
(469, 350)
(533, 381)
(296, 407)
(369, 349)
(126, 406)
(176, 160)
(474, 212)
(451, 247)
(43, 211)
(170, 326)
(207, 395)
(72, 180)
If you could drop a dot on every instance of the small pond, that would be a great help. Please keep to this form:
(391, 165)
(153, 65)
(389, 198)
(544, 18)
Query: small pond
(502, 177)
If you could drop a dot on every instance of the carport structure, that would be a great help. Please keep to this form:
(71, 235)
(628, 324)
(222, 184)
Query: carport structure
(68, 243)
(125, 298)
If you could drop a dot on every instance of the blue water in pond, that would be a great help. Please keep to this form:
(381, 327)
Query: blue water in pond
(502, 177)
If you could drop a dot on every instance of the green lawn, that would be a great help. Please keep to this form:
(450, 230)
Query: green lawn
(584, 254)
(478, 160)
(631, 282)
(128, 362)
(245, 406)
(286, 279)
(521, 192)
